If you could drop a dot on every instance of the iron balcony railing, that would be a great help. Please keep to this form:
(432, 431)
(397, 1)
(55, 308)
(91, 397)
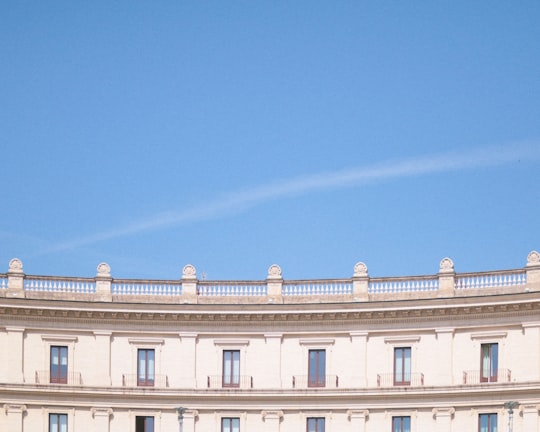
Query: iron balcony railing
(305, 381)
(393, 380)
(71, 378)
(232, 382)
(477, 377)
(133, 380)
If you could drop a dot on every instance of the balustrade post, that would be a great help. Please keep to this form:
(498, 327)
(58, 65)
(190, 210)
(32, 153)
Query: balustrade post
(447, 276)
(360, 282)
(274, 284)
(103, 283)
(15, 279)
(189, 284)
(533, 271)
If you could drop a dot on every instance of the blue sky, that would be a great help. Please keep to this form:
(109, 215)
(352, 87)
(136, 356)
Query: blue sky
(234, 135)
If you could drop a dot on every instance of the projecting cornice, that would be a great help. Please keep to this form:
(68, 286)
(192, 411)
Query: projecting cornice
(51, 314)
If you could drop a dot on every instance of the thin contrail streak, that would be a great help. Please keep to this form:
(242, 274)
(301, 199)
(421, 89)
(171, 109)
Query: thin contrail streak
(238, 201)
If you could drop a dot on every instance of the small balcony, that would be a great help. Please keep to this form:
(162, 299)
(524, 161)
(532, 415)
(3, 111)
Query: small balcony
(406, 380)
(132, 380)
(305, 381)
(476, 377)
(71, 378)
(232, 382)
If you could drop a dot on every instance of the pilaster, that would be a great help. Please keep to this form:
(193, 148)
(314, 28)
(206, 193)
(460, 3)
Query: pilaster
(14, 414)
(443, 418)
(103, 358)
(189, 356)
(14, 361)
(272, 420)
(358, 420)
(530, 418)
(102, 417)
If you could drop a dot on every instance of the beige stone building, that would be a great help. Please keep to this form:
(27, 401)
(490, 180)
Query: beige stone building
(450, 352)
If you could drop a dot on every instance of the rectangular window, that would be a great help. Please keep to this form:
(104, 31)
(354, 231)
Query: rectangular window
(57, 422)
(401, 424)
(317, 368)
(230, 424)
(489, 362)
(402, 366)
(487, 423)
(59, 365)
(145, 367)
(315, 424)
(144, 424)
(231, 368)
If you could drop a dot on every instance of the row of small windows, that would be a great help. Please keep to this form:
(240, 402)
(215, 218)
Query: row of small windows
(486, 423)
(316, 366)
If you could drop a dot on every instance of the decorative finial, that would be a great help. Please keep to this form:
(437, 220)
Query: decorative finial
(533, 259)
(103, 270)
(446, 266)
(189, 272)
(274, 272)
(15, 266)
(360, 269)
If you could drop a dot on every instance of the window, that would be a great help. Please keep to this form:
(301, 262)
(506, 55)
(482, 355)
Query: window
(489, 362)
(315, 424)
(487, 423)
(401, 424)
(231, 368)
(402, 366)
(317, 368)
(59, 364)
(144, 424)
(57, 422)
(230, 424)
(145, 367)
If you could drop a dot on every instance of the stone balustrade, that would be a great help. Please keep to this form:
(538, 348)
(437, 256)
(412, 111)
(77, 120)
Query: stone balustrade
(188, 289)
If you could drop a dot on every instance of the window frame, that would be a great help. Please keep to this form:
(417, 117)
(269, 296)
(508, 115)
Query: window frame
(317, 365)
(492, 357)
(58, 416)
(62, 355)
(230, 376)
(490, 427)
(404, 423)
(227, 424)
(148, 378)
(319, 424)
(145, 427)
(405, 368)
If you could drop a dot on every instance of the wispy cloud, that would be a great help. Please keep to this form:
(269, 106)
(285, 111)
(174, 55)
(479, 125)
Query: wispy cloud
(241, 200)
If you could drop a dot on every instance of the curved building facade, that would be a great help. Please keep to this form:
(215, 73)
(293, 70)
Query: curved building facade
(446, 352)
